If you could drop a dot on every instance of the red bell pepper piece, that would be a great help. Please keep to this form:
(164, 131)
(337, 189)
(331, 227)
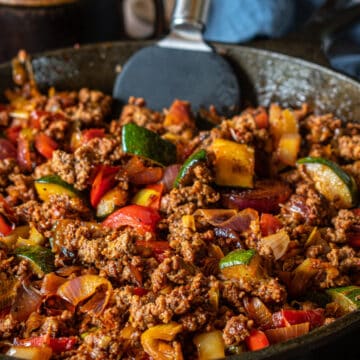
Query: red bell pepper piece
(24, 149)
(12, 133)
(139, 291)
(284, 317)
(269, 224)
(45, 145)
(158, 248)
(90, 134)
(261, 118)
(142, 218)
(104, 181)
(58, 345)
(257, 340)
(35, 117)
(5, 228)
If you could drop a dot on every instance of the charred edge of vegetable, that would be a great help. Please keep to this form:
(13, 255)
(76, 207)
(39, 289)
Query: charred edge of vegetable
(191, 161)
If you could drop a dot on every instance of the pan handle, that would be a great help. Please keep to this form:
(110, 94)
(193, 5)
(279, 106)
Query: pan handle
(187, 23)
(191, 13)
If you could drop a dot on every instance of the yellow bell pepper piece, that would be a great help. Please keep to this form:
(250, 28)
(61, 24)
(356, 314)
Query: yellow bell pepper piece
(156, 342)
(188, 221)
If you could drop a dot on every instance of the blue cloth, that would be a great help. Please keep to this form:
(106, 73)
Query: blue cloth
(237, 21)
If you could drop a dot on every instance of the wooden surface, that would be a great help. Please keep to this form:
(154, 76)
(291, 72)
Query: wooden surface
(35, 3)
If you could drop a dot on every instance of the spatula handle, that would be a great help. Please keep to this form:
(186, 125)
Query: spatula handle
(190, 13)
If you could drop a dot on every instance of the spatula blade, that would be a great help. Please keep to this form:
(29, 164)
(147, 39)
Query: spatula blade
(160, 75)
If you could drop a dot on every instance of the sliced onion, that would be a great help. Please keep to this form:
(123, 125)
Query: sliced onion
(264, 197)
(7, 150)
(259, 312)
(229, 218)
(54, 305)
(83, 287)
(288, 332)
(68, 270)
(226, 233)
(51, 283)
(278, 243)
(28, 300)
(169, 177)
(139, 174)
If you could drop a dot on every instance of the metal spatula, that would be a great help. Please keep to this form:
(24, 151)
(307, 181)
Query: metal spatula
(181, 66)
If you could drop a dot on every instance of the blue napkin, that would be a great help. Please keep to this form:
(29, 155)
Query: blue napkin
(235, 21)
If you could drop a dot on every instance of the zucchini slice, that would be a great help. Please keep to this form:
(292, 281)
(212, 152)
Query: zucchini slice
(241, 264)
(192, 160)
(112, 200)
(140, 141)
(332, 181)
(348, 297)
(53, 184)
(234, 163)
(40, 258)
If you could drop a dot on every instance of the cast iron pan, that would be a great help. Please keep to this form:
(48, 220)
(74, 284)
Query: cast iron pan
(265, 77)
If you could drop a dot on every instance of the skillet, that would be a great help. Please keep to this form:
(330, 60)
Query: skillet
(266, 77)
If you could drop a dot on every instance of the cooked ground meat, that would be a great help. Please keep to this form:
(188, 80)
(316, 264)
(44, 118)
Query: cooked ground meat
(119, 254)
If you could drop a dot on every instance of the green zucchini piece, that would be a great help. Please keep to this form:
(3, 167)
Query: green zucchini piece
(40, 258)
(192, 160)
(332, 181)
(53, 184)
(237, 257)
(139, 141)
(348, 297)
(241, 264)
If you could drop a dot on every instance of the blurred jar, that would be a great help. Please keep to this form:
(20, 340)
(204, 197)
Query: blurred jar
(37, 25)
(122, 19)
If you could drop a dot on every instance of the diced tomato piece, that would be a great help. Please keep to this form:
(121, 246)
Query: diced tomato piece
(257, 340)
(179, 113)
(90, 134)
(24, 157)
(62, 343)
(353, 239)
(5, 228)
(140, 217)
(58, 345)
(261, 118)
(45, 145)
(12, 133)
(356, 211)
(292, 317)
(269, 224)
(104, 181)
(7, 149)
(139, 291)
(158, 248)
(35, 117)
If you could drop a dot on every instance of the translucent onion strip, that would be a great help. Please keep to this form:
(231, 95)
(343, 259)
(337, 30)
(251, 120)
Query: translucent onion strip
(83, 287)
